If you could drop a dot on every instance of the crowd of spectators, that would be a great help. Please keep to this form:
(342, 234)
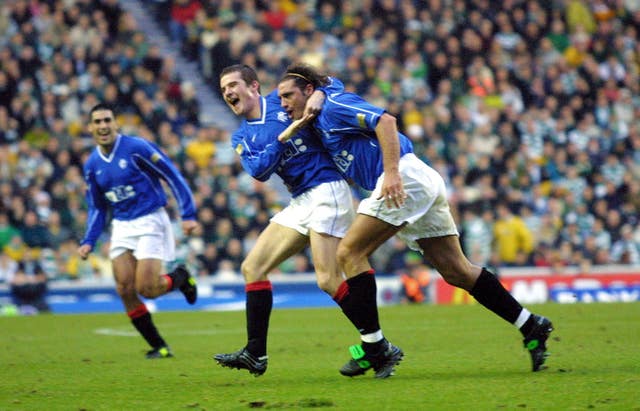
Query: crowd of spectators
(529, 109)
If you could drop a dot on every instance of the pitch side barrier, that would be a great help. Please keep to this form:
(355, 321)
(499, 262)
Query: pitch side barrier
(528, 285)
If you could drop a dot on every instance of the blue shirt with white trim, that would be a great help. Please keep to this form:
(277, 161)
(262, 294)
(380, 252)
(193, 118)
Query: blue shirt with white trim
(346, 126)
(302, 162)
(127, 182)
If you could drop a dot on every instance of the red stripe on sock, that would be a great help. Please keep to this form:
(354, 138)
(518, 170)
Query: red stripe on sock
(169, 282)
(343, 291)
(138, 312)
(258, 286)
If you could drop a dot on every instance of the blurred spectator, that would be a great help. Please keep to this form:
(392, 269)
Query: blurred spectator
(477, 236)
(183, 13)
(233, 253)
(512, 238)
(29, 284)
(208, 261)
(202, 149)
(7, 230)
(302, 264)
(227, 271)
(8, 268)
(33, 232)
(626, 249)
(415, 279)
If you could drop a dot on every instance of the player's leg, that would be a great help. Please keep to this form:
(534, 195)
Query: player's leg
(151, 284)
(357, 296)
(274, 245)
(323, 252)
(124, 272)
(331, 214)
(446, 256)
(152, 249)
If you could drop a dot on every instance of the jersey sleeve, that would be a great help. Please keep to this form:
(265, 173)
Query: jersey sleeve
(352, 111)
(97, 209)
(259, 162)
(151, 158)
(334, 85)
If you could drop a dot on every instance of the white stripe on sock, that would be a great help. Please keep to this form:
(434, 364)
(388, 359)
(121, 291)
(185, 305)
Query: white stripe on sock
(522, 318)
(373, 337)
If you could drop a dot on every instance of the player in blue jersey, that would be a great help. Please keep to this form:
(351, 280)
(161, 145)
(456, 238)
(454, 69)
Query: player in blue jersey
(123, 176)
(318, 215)
(408, 198)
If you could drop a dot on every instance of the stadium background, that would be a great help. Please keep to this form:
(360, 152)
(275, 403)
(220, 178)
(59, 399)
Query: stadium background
(529, 109)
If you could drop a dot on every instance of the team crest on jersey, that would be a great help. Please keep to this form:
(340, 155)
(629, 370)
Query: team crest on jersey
(361, 118)
(343, 160)
(283, 116)
(155, 157)
(239, 149)
(122, 163)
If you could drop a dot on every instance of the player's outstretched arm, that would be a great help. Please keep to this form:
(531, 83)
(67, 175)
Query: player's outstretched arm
(294, 127)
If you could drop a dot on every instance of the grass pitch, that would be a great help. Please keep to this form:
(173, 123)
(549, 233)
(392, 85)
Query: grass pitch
(456, 358)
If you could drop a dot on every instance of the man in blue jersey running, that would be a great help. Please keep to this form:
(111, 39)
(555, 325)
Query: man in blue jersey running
(123, 176)
(319, 214)
(408, 198)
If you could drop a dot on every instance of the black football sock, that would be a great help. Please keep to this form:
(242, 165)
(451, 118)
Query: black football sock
(527, 327)
(357, 298)
(176, 279)
(141, 319)
(489, 292)
(258, 310)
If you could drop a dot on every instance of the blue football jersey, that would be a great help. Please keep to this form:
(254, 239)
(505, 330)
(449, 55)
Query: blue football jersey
(346, 126)
(128, 183)
(302, 162)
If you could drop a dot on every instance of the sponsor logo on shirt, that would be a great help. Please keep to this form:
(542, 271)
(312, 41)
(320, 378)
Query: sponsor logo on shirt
(120, 193)
(343, 160)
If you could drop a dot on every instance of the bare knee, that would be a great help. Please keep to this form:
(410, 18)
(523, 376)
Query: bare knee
(251, 272)
(146, 290)
(351, 261)
(324, 284)
(125, 290)
(328, 283)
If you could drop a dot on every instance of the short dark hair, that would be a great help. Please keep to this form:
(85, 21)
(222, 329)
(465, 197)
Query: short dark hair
(304, 74)
(102, 106)
(247, 73)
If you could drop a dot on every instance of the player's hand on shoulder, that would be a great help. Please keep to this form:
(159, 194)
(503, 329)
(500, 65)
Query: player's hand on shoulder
(314, 104)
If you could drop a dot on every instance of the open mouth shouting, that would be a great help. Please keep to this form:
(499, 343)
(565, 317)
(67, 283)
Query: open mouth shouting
(233, 102)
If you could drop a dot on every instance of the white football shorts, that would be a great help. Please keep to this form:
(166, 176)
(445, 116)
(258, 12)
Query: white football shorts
(426, 209)
(327, 208)
(149, 236)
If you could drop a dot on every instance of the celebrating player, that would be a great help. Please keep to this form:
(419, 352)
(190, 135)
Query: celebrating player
(123, 175)
(408, 199)
(319, 213)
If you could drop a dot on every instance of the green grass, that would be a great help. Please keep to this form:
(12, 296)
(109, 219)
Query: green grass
(456, 358)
